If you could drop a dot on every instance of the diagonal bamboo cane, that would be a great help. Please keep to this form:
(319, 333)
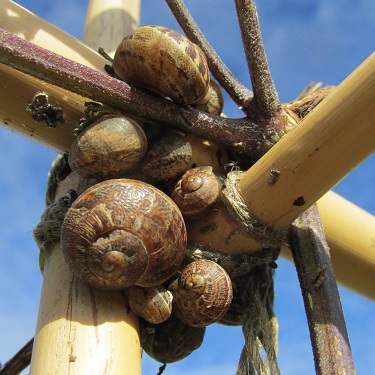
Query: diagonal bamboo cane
(81, 330)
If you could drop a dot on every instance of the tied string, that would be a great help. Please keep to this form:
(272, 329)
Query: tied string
(240, 214)
(259, 324)
(256, 288)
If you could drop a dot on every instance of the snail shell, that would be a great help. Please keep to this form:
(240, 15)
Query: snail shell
(167, 158)
(163, 61)
(197, 192)
(236, 312)
(109, 147)
(123, 232)
(202, 294)
(213, 102)
(171, 340)
(153, 304)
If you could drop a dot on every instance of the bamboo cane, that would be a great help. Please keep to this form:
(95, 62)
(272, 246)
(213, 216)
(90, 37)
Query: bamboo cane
(81, 330)
(17, 119)
(114, 18)
(351, 237)
(309, 161)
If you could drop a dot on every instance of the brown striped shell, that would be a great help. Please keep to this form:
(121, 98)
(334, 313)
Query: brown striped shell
(171, 340)
(123, 232)
(197, 192)
(153, 304)
(162, 60)
(167, 158)
(202, 294)
(109, 147)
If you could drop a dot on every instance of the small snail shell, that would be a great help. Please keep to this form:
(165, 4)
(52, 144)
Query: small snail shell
(197, 192)
(213, 102)
(167, 158)
(163, 61)
(153, 304)
(123, 232)
(236, 312)
(202, 294)
(171, 340)
(108, 148)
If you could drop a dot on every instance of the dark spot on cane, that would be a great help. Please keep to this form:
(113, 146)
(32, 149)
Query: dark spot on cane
(300, 201)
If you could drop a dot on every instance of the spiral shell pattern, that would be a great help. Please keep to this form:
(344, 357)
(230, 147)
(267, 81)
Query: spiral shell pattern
(197, 192)
(123, 232)
(202, 294)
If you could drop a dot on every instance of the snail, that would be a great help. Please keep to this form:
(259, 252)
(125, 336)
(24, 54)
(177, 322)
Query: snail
(167, 158)
(123, 232)
(213, 102)
(197, 192)
(163, 61)
(153, 304)
(171, 340)
(235, 315)
(109, 147)
(202, 294)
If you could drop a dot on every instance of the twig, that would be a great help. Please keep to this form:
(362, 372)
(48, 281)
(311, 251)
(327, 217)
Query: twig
(329, 337)
(236, 90)
(20, 361)
(266, 99)
(241, 135)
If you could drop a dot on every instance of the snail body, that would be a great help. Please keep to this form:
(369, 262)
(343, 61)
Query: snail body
(109, 147)
(153, 304)
(123, 232)
(171, 340)
(196, 192)
(167, 158)
(164, 61)
(202, 294)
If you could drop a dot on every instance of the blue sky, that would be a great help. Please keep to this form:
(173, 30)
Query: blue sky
(305, 41)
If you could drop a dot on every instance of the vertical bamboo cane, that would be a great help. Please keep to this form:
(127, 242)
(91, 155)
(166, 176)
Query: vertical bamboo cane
(81, 330)
(108, 22)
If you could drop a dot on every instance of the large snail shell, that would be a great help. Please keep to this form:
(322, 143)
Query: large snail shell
(197, 192)
(123, 232)
(202, 294)
(163, 61)
(167, 158)
(171, 340)
(109, 147)
(153, 304)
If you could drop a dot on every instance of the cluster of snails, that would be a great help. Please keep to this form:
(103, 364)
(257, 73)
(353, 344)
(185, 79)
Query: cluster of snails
(128, 231)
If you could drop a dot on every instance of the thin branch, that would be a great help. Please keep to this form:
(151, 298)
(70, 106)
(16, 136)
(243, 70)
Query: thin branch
(266, 99)
(20, 361)
(236, 90)
(329, 337)
(241, 135)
